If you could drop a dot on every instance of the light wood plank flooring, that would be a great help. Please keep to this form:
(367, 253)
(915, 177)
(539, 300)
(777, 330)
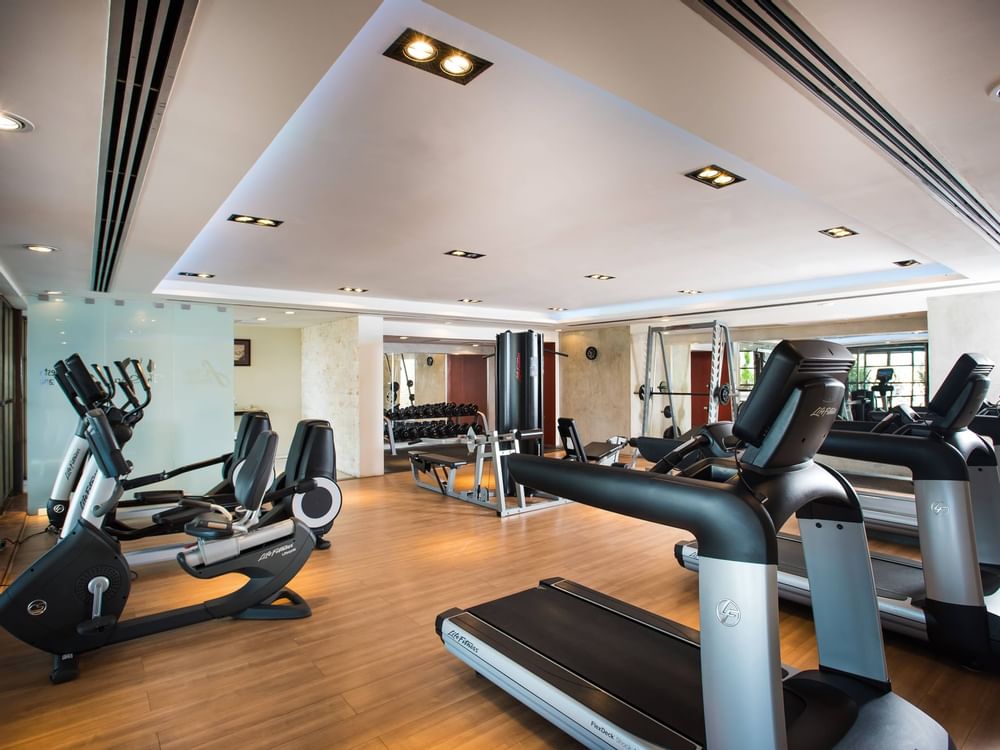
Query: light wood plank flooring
(367, 671)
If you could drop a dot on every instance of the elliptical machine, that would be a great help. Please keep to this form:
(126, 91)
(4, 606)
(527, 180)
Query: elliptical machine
(70, 601)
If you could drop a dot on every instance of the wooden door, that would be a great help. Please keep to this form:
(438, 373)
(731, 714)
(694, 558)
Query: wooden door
(701, 374)
(466, 381)
(549, 393)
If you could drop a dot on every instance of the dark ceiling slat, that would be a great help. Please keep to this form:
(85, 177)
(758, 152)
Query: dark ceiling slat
(146, 38)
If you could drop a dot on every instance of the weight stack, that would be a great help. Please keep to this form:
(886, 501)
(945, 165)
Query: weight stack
(519, 363)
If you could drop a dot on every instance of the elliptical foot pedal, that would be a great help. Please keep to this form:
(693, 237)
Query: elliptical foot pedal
(65, 668)
(322, 543)
(297, 609)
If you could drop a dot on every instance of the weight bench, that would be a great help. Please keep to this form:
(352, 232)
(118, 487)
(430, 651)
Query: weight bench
(433, 464)
(605, 454)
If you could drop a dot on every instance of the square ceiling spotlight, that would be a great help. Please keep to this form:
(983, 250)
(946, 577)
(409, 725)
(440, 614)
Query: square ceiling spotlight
(715, 176)
(689, 291)
(906, 263)
(838, 233)
(437, 57)
(470, 301)
(353, 289)
(598, 277)
(257, 221)
(465, 254)
(197, 275)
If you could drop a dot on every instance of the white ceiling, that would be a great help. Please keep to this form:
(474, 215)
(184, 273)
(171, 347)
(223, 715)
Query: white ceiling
(565, 158)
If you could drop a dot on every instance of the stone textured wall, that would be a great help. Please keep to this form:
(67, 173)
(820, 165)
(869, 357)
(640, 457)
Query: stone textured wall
(429, 382)
(596, 393)
(342, 382)
(957, 324)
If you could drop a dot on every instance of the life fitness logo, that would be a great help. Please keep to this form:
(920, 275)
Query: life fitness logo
(517, 367)
(728, 613)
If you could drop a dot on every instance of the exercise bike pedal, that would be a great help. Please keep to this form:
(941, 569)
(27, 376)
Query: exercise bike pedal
(65, 668)
(96, 624)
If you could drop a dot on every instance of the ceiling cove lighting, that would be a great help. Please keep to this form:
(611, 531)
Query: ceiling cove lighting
(353, 289)
(838, 233)
(465, 254)
(11, 123)
(257, 221)
(41, 248)
(598, 276)
(901, 263)
(197, 275)
(715, 176)
(440, 58)
(470, 301)
(689, 291)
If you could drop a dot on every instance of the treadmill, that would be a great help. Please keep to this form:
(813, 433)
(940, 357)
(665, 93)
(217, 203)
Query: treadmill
(614, 676)
(951, 416)
(951, 598)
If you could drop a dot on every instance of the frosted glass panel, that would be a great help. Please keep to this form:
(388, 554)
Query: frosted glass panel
(191, 415)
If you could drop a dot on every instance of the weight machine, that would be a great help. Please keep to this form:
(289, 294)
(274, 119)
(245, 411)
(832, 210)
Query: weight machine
(718, 392)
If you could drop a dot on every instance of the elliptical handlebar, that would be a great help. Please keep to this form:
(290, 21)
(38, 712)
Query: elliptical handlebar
(62, 378)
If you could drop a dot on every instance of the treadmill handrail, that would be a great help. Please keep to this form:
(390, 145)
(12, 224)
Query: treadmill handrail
(926, 458)
(728, 523)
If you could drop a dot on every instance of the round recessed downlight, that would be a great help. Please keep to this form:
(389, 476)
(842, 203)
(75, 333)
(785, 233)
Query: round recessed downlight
(41, 248)
(708, 173)
(420, 50)
(456, 65)
(11, 123)
(723, 179)
(244, 219)
(265, 222)
(403, 338)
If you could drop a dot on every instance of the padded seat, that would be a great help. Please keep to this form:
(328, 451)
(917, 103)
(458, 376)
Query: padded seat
(577, 451)
(438, 459)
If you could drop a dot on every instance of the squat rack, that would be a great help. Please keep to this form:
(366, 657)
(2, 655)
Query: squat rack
(722, 343)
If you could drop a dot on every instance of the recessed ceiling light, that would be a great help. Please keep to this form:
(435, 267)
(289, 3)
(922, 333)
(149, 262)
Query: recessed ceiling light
(353, 289)
(403, 338)
(715, 176)
(689, 291)
(558, 309)
(456, 64)
(289, 312)
(58, 299)
(52, 291)
(475, 344)
(470, 300)
(598, 276)
(422, 51)
(995, 92)
(901, 263)
(257, 221)
(11, 123)
(197, 274)
(41, 248)
(464, 254)
(261, 319)
(838, 232)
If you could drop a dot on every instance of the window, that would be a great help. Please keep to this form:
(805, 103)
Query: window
(909, 373)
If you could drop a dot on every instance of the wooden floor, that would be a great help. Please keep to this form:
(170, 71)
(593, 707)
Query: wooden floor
(367, 671)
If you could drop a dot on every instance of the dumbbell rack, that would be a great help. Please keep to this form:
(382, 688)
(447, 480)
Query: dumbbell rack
(390, 425)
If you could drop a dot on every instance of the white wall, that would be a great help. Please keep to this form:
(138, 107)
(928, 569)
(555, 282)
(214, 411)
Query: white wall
(957, 324)
(273, 381)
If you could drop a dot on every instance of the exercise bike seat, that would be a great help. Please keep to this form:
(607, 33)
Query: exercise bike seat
(209, 526)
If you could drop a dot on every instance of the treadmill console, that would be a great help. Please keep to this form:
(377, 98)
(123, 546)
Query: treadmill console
(794, 404)
(961, 394)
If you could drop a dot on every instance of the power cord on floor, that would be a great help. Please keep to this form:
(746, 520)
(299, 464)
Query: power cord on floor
(15, 542)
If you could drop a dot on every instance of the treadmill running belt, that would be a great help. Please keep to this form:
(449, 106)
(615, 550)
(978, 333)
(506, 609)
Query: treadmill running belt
(641, 666)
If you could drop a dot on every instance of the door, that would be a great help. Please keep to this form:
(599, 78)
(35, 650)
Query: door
(11, 401)
(701, 374)
(549, 358)
(466, 381)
